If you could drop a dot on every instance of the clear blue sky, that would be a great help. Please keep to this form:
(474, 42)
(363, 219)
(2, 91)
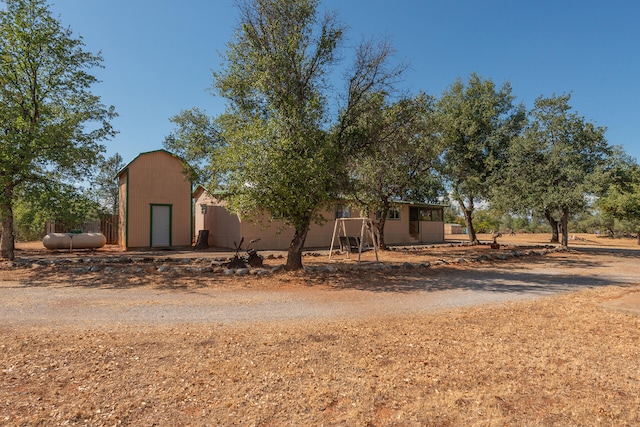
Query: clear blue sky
(158, 54)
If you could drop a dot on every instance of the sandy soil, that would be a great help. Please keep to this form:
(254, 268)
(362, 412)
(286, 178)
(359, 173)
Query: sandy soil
(516, 341)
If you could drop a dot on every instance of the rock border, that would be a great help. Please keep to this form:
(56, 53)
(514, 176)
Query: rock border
(199, 265)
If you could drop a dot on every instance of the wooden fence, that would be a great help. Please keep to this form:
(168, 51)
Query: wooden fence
(109, 227)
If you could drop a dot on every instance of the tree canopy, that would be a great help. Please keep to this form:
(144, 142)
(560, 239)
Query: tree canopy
(105, 184)
(621, 200)
(195, 139)
(478, 122)
(282, 148)
(51, 124)
(398, 162)
(554, 165)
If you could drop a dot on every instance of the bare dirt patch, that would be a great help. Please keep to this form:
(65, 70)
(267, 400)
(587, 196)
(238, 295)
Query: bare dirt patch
(557, 360)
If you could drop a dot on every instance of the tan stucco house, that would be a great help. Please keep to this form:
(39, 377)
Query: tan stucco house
(155, 202)
(407, 224)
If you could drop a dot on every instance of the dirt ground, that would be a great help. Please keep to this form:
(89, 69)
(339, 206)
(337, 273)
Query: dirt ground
(75, 351)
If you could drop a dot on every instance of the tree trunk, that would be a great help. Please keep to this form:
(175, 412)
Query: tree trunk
(555, 236)
(294, 254)
(203, 240)
(7, 243)
(564, 226)
(468, 220)
(611, 232)
(467, 211)
(380, 226)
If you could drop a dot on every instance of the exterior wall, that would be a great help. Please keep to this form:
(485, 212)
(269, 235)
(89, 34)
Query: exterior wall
(198, 222)
(396, 231)
(155, 178)
(122, 209)
(272, 235)
(225, 228)
(431, 232)
(204, 220)
(319, 236)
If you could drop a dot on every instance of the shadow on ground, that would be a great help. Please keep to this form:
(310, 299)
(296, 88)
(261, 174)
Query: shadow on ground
(576, 269)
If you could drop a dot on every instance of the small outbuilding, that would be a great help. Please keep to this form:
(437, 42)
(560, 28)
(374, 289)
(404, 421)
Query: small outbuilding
(453, 229)
(155, 202)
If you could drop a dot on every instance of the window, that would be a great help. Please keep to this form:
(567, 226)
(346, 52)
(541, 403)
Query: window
(394, 213)
(342, 211)
(431, 214)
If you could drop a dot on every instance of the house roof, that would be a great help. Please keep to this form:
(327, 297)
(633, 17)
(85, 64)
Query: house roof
(423, 205)
(151, 152)
(200, 189)
(197, 192)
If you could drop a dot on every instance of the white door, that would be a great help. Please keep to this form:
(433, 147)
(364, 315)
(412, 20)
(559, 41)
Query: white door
(160, 225)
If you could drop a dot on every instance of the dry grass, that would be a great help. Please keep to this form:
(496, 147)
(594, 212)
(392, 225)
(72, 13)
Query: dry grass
(556, 361)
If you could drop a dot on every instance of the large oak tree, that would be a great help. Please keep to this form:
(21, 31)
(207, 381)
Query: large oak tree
(283, 146)
(51, 124)
(556, 164)
(478, 122)
(399, 159)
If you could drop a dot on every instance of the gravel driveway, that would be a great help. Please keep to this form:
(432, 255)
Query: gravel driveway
(88, 307)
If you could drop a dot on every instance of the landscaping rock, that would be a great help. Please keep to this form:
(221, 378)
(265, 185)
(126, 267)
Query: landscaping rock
(377, 266)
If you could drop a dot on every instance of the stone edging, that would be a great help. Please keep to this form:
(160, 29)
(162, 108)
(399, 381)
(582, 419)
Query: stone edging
(140, 264)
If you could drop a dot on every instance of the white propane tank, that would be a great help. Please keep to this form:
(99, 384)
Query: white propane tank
(74, 241)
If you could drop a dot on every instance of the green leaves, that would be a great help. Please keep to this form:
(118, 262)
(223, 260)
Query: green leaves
(555, 165)
(478, 122)
(621, 199)
(195, 139)
(567, 152)
(399, 154)
(50, 122)
(105, 184)
(278, 148)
